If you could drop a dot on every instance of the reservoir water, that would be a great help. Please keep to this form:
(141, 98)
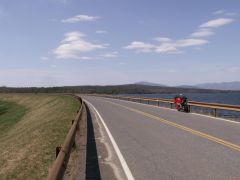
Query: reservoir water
(223, 98)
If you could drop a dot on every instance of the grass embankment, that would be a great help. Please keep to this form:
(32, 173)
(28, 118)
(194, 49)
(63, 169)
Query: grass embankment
(31, 126)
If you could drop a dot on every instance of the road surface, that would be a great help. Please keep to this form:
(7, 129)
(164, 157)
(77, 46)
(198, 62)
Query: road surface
(160, 143)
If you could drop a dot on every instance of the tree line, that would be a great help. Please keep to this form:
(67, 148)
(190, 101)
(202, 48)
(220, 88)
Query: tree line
(118, 89)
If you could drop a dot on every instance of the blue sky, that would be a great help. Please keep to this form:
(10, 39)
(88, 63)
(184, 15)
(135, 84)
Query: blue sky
(106, 42)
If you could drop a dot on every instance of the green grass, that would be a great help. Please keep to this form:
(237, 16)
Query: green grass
(10, 114)
(31, 127)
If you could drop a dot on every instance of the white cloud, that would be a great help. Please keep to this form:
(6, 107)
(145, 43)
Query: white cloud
(216, 23)
(202, 33)
(167, 48)
(162, 39)
(86, 58)
(190, 42)
(110, 55)
(73, 46)
(172, 47)
(101, 32)
(73, 36)
(80, 18)
(140, 46)
(219, 12)
(224, 12)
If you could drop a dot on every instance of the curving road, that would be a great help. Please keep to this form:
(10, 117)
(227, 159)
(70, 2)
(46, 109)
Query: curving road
(159, 143)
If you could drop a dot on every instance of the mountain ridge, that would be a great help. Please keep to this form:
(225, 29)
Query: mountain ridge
(233, 85)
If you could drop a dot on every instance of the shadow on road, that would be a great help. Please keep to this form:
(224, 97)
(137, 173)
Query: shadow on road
(92, 165)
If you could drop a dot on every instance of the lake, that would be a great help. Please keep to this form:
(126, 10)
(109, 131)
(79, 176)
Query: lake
(224, 98)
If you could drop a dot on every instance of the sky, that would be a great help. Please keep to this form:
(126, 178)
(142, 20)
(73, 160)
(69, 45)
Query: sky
(109, 42)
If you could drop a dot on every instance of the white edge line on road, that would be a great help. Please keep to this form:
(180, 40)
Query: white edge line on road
(126, 169)
(221, 119)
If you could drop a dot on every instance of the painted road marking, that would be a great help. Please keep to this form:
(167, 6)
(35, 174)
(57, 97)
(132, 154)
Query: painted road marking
(125, 167)
(187, 129)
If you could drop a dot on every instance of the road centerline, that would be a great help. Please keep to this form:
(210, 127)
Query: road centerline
(187, 129)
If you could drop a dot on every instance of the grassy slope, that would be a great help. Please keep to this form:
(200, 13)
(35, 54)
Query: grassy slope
(29, 143)
(10, 114)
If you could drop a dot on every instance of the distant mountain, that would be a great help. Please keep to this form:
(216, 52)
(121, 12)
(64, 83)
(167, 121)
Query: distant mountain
(235, 85)
(187, 86)
(220, 86)
(149, 84)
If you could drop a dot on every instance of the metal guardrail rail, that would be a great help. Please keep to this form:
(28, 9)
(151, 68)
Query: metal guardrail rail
(214, 106)
(60, 164)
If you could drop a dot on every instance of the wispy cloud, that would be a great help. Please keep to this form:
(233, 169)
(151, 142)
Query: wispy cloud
(80, 18)
(202, 33)
(110, 54)
(140, 46)
(176, 46)
(216, 23)
(190, 42)
(168, 46)
(231, 14)
(87, 58)
(218, 12)
(74, 45)
(101, 32)
(162, 39)
(224, 12)
(171, 47)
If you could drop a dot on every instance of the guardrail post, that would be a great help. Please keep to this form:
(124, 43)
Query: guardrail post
(58, 149)
(158, 103)
(171, 105)
(148, 101)
(215, 112)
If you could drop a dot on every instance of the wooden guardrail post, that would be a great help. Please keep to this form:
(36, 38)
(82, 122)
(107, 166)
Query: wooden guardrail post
(58, 148)
(215, 112)
(62, 153)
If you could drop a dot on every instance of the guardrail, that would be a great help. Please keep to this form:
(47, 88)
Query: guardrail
(60, 164)
(214, 106)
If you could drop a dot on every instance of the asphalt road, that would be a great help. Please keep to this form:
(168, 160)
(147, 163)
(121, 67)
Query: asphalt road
(159, 143)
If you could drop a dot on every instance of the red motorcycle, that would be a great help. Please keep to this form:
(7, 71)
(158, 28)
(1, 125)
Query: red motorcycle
(181, 103)
(177, 102)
